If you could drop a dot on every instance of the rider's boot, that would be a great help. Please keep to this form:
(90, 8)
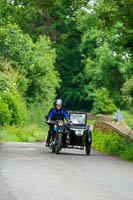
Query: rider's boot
(48, 139)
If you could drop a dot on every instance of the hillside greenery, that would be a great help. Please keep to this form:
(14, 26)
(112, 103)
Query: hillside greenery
(80, 51)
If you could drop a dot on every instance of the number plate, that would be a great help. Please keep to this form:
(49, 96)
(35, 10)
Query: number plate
(79, 132)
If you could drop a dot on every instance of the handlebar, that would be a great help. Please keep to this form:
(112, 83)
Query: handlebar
(54, 122)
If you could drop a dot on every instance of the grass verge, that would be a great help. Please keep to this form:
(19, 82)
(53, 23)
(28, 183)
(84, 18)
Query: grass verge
(128, 118)
(91, 122)
(113, 144)
(30, 133)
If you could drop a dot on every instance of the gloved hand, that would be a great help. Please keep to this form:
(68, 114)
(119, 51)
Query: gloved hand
(49, 121)
(70, 122)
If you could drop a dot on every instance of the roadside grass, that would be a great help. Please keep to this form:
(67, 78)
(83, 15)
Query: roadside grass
(35, 130)
(113, 144)
(128, 118)
(30, 133)
(0, 137)
(91, 122)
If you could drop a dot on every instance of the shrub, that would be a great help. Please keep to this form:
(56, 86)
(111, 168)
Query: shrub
(38, 79)
(102, 102)
(5, 113)
(113, 144)
(4, 82)
(15, 111)
(128, 118)
(127, 93)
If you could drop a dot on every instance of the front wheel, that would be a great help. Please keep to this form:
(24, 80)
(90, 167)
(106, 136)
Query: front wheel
(88, 149)
(58, 144)
(53, 150)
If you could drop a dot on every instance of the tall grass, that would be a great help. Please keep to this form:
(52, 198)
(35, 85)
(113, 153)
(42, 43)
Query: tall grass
(113, 144)
(35, 130)
(30, 133)
(128, 118)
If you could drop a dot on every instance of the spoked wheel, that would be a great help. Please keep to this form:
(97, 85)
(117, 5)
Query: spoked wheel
(88, 149)
(59, 144)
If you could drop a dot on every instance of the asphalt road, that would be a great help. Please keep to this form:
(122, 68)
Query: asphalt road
(32, 172)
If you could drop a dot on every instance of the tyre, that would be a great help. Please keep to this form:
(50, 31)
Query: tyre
(58, 144)
(88, 149)
(53, 150)
(88, 143)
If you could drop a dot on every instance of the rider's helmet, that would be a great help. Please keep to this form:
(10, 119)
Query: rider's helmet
(59, 102)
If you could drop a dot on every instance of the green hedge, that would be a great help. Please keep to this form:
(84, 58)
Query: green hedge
(113, 144)
(5, 113)
(12, 108)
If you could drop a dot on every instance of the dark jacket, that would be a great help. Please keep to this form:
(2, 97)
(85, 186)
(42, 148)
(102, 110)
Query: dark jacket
(55, 114)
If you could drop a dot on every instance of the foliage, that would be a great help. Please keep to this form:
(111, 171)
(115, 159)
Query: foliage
(5, 113)
(93, 42)
(113, 144)
(12, 78)
(20, 13)
(38, 113)
(94, 59)
(127, 93)
(30, 133)
(104, 59)
(91, 122)
(109, 12)
(50, 4)
(128, 118)
(13, 106)
(38, 79)
(66, 39)
(81, 32)
(16, 106)
(102, 102)
(56, 22)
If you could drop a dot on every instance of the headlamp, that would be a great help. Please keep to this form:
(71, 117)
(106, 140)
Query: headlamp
(60, 123)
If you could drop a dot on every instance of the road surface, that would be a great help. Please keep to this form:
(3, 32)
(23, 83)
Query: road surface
(29, 171)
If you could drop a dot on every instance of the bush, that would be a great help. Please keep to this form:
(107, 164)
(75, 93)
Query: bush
(127, 93)
(113, 144)
(5, 113)
(4, 82)
(128, 118)
(13, 108)
(102, 102)
(38, 113)
(38, 79)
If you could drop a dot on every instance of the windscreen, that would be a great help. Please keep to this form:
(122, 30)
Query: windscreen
(78, 118)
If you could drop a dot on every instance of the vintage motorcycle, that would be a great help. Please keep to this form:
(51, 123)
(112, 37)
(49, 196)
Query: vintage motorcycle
(75, 134)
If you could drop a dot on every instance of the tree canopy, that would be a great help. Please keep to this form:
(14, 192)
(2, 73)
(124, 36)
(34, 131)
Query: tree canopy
(88, 45)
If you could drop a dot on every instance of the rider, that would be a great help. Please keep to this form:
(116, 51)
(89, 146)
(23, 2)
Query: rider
(57, 113)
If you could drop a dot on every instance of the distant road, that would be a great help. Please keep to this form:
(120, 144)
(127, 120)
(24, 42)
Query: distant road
(32, 172)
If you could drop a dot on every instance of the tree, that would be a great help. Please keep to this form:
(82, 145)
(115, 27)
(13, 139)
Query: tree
(65, 38)
(107, 62)
(127, 93)
(28, 18)
(93, 44)
(50, 4)
(35, 63)
(13, 109)
(111, 12)
(102, 103)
